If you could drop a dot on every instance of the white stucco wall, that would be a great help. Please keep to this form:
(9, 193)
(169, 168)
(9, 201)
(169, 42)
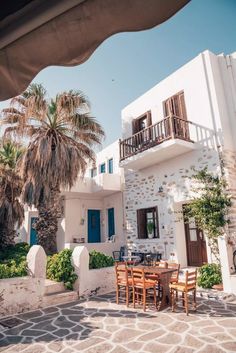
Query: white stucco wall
(209, 86)
(20, 294)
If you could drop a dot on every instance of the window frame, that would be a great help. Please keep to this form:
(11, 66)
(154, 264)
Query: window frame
(180, 97)
(100, 168)
(141, 215)
(110, 170)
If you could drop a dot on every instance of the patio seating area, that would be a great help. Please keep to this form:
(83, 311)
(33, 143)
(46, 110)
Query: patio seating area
(98, 324)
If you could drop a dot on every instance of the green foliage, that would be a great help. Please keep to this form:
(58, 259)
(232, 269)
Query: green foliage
(209, 275)
(99, 260)
(60, 269)
(13, 261)
(150, 227)
(13, 269)
(210, 206)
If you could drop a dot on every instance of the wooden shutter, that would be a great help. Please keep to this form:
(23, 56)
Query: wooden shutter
(183, 113)
(141, 224)
(175, 105)
(135, 126)
(149, 118)
(167, 107)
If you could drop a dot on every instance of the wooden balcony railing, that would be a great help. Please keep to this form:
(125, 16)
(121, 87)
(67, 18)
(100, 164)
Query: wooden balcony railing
(172, 127)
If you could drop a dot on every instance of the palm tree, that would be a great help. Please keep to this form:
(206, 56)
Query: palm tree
(62, 137)
(11, 210)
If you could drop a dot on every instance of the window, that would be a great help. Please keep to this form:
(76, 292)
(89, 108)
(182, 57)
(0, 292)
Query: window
(142, 122)
(110, 166)
(175, 105)
(145, 218)
(93, 172)
(102, 168)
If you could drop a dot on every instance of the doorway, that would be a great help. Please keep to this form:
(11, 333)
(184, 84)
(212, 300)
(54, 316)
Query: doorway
(94, 227)
(111, 222)
(33, 233)
(196, 244)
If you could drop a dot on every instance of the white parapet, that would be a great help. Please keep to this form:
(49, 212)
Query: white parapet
(227, 268)
(94, 281)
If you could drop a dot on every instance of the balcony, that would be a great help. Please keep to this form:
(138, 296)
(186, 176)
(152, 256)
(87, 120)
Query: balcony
(102, 185)
(166, 139)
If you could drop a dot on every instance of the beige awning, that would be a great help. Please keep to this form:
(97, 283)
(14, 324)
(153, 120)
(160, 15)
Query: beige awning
(65, 33)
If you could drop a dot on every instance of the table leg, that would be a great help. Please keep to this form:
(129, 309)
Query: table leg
(165, 281)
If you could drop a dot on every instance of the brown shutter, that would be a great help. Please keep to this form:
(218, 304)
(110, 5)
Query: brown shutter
(183, 113)
(141, 224)
(134, 126)
(149, 118)
(167, 108)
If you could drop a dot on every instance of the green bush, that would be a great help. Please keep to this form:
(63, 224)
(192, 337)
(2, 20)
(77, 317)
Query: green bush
(60, 269)
(12, 269)
(209, 275)
(99, 260)
(13, 261)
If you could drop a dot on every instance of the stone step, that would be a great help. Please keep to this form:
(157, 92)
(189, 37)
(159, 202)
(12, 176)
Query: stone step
(53, 287)
(62, 297)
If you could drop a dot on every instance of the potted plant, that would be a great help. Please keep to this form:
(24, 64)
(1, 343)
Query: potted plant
(150, 230)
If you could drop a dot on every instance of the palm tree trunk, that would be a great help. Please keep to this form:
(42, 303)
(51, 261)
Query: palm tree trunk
(47, 224)
(7, 236)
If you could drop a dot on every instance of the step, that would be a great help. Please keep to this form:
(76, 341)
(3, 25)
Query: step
(62, 297)
(53, 287)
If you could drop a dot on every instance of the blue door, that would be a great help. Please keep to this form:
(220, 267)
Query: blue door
(111, 222)
(33, 233)
(94, 231)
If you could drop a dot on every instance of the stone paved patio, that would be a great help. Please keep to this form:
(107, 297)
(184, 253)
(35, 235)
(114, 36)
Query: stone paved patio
(98, 325)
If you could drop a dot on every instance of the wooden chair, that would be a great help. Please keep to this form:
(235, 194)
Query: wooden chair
(185, 287)
(142, 287)
(123, 281)
(175, 275)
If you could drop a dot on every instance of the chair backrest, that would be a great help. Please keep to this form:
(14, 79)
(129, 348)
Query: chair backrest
(121, 272)
(137, 275)
(190, 278)
(116, 255)
(175, 275)
(161, 264)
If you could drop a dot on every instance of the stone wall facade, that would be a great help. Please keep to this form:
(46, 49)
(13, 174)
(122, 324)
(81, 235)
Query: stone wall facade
(142, 191)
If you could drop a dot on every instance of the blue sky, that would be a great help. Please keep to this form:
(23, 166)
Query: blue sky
(128, 64)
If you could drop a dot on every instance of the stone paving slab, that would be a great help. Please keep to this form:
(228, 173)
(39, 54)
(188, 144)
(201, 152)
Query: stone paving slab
(98, 325)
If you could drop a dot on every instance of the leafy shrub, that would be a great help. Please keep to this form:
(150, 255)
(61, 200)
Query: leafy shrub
(209, 275)
(60, 269)
(13, 261)
(12, 269)
(99, 260)
(14, 252)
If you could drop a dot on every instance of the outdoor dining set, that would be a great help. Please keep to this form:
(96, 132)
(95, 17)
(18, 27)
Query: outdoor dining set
(152, 282)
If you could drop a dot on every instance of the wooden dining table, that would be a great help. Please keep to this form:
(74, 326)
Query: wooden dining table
(164, 276)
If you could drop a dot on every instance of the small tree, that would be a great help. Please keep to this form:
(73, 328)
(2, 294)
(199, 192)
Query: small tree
(11, 210)
(210, 206)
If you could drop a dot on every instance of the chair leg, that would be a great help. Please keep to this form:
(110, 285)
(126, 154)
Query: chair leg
(186, 302)
(117, 294)
(134, 297)
(194, 300)
(183, 301)
(155, 296)
(144, 299)
(127, 295)
(176, 295)
(172, 294)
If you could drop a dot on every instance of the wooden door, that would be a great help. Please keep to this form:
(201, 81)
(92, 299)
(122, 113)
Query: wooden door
(196, 244)
(94, 227)
(33, 233)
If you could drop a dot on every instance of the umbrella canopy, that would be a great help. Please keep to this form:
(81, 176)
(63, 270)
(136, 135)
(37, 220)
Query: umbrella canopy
(35, 34)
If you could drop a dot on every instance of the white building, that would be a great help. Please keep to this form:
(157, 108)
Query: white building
(186, 122)
(93, 211)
